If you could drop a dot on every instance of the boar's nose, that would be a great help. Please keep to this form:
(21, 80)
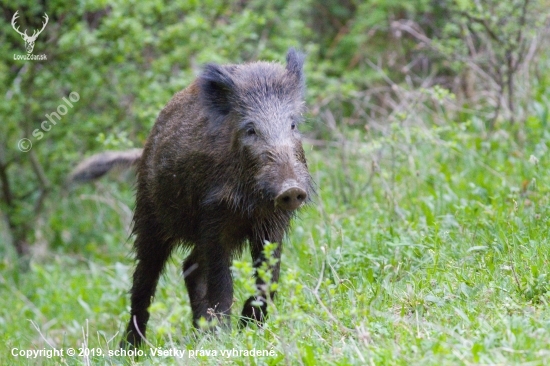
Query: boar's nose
(290, 198)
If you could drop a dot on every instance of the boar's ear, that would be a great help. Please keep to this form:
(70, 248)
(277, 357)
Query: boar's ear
(295, 64)
(216, 90)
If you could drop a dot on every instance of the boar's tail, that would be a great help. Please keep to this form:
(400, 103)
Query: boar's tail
(100, 164)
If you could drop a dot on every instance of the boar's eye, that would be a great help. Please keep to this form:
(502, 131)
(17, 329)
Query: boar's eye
(293, 126)
(250, 131)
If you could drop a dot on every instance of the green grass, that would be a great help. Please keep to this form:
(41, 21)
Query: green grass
(424, 246)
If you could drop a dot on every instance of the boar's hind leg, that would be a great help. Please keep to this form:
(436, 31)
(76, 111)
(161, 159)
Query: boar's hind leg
(255, 308)
(195, 281)
(151, 255)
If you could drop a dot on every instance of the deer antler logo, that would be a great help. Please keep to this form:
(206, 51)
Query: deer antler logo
(29, 40)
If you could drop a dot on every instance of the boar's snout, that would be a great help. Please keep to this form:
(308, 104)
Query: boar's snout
(291, 196)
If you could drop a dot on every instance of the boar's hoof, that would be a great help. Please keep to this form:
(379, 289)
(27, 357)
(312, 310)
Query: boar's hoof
(254, 310)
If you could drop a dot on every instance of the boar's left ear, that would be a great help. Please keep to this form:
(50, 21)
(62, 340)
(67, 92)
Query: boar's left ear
(216, 90)
(295, 64)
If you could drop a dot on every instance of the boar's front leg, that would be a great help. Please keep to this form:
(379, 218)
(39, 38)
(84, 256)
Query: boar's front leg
(194, 273)
(255, 308)
(219, 283)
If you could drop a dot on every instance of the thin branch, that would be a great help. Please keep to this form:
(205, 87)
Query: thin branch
(485, 25)
(522, 20)
(16, 85)
(6, 189)
(320, 280)
(44, 184)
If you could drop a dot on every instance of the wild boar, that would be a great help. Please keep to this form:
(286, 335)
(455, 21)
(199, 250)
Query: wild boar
(222, 167)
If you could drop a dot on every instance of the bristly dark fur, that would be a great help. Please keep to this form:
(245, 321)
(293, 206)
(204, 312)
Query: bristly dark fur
(295, 65)
(222, 167)
(216, 89)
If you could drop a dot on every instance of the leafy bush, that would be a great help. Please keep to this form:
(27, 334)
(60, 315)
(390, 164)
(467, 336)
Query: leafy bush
(427, 241)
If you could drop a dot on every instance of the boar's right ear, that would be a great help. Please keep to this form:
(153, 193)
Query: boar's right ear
(216, 90)
(295, 64)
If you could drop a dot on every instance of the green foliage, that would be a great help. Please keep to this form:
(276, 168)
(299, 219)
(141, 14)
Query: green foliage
(440, 258)
(427, 241)
(495, 40)
(125, 60)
